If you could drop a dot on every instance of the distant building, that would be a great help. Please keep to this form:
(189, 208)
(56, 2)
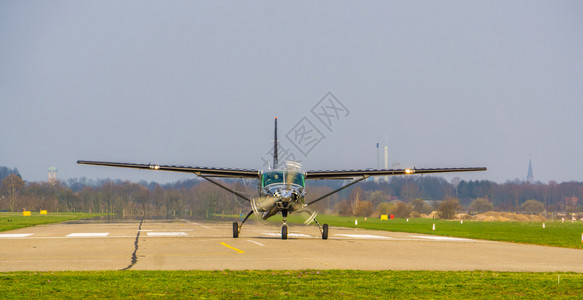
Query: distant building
(571, 203)
(456, 181)
(52, 175)
(530, 175)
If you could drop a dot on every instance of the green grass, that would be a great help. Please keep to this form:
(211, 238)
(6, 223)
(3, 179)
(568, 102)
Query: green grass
(11, 221)
(313, 283)
(289, 284)
(555, 234)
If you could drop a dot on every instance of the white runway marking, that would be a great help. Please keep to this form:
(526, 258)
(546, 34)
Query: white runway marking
(289, 234)
(365, 236)
(441, 238)
(69, 237)
(179, 233)
(254, 242)
(15, 235)
(92, 234)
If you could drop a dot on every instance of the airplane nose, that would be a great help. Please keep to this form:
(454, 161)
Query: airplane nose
(289, 195)
(286, 194)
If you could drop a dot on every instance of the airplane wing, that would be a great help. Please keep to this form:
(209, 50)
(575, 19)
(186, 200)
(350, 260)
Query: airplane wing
(349, 174)
(200, 171)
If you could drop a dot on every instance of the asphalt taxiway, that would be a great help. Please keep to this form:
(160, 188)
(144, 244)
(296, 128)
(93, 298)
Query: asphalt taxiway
(185, 245)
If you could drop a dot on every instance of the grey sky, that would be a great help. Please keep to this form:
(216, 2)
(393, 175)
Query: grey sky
(442, 83)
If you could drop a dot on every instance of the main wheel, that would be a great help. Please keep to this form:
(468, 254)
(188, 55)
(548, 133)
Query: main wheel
(235, 230)
(325, 231)
(284, 232)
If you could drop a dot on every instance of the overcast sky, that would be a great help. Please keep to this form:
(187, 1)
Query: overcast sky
(441, 83)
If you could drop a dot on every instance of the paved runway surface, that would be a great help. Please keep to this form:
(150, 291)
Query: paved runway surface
(185, 245)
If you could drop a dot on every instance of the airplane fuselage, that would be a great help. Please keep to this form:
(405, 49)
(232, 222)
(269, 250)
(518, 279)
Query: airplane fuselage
(280, 191)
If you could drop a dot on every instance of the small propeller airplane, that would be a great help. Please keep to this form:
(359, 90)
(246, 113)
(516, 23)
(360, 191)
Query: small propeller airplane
(280, 190)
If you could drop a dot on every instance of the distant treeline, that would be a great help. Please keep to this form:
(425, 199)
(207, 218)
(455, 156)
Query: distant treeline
(196, 198)
(5, 171)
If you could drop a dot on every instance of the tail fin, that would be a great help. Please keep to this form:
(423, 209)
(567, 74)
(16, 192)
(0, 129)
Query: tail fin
(275, 147)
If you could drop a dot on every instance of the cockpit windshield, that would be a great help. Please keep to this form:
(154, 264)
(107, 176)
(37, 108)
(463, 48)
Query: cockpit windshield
(281, 177)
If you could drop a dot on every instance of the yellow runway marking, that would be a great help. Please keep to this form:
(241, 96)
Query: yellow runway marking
(193, 254)
(231, 247)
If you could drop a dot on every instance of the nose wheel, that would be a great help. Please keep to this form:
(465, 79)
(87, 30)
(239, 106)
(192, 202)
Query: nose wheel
(284, 226)
(284, 232)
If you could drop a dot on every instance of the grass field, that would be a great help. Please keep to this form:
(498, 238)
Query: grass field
(313, 283)
(554, 234)
(11, 221)
(289, 284)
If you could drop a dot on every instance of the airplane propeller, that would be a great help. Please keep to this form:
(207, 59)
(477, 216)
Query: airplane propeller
(262, 204)
(311, 218)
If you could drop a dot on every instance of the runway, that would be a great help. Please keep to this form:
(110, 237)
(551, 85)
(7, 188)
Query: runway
(184, 245)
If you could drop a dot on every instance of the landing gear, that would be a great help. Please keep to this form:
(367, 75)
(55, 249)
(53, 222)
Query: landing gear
(284, 226)
(237, 228)
(325, 231)
(323, 228)
(284, 232)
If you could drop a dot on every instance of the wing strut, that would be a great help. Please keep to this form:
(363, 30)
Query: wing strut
(339, 189)
(226, 188)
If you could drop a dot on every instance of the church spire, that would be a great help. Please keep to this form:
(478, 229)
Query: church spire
(529, 175)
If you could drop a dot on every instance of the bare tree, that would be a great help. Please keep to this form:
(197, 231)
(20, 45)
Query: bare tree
(11, 185)
(481, 205)
(384, 208)
(376, 197)
(533, 207)
(420, 206)
(355, 197)
(448, 208)
(363, 209)
(410, 192)
(403, 210)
